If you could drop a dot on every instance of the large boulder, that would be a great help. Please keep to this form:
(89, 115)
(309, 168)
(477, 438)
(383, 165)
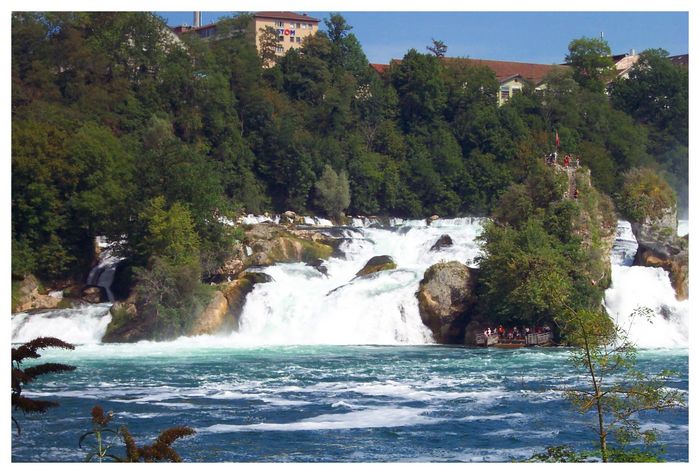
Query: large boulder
(377, 264)
(445, 299)
(443, 242)
(126, 326)
(224, 310)
(211, 319)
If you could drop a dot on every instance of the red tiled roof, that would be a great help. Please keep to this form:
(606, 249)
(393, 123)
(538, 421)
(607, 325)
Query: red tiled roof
(505, 69)
(380, 68)
(286, 16)
(502, 69)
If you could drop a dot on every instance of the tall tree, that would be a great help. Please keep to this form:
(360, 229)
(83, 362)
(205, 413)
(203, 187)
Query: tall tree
(268, 43)
(592, 63)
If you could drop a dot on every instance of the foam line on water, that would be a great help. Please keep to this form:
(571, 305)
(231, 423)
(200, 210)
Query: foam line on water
(372, 418)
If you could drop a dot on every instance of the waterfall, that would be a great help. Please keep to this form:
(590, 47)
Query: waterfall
(303, 306)
(644, 287)
(83, 325)
(102, 274)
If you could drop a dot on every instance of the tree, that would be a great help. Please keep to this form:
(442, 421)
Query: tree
(592, 63)
(438, 48)
(615, 391)
(421, 89)
(645, 195)
(656, 93)
(268, 44)
(333, 192)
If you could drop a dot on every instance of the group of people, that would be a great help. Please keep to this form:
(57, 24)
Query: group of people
(569, 160)
(515, 332)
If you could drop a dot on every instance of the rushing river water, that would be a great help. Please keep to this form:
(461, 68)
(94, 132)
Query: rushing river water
(332, 368)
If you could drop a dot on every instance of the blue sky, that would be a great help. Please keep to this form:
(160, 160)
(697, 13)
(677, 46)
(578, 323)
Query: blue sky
(539, 37)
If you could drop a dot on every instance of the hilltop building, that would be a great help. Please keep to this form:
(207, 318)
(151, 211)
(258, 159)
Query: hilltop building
(291, 28)
(511, 76)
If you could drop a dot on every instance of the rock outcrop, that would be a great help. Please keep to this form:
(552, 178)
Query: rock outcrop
(445, 299)
(443, 242)
(212, 318)
(126, 326)
(27, 295)
(268, 243)
(659, 246)
(220, 315)
(377, 264)
(92, 294)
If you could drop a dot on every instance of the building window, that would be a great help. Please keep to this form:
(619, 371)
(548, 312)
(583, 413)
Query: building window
(298, 39)
(303, 26)
(505, 94)
(281, 37)
(516, 90)
(298, 25)
(279, 49)
(291, 39)
(279, 24)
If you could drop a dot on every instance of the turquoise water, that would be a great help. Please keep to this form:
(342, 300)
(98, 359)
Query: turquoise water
(329, 403)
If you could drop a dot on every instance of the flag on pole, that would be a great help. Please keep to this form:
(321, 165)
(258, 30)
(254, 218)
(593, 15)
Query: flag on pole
(556, 137)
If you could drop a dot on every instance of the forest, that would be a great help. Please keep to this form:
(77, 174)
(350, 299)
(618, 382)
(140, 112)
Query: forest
(120, 131)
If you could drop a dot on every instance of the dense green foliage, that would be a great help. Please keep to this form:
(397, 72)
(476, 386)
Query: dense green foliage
(542, 251)
(110, 111)
(645, 195)
(656, 95)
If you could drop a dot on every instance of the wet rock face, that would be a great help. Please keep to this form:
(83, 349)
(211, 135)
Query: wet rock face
(659, 246)
(29, 298)
(443, 242)
(673, 259)
(221, 314)
(445, 298)
(377, 264)
(93, 294)
(319, 265)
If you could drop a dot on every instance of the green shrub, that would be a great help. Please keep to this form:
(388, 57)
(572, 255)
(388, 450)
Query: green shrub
(645, 195)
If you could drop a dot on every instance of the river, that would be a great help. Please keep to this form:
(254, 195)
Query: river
(332, 368)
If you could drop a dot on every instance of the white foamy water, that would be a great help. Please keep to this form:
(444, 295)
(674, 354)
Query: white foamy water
(303, 306)
(644, 287)
(84, 325)
(682, 227)
(371, 418)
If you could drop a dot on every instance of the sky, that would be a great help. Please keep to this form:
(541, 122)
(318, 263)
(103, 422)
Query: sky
(537, 37)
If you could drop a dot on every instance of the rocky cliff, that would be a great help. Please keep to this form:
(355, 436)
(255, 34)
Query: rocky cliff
(659, 246)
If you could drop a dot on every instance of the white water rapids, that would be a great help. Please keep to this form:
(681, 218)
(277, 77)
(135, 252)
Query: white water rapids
(303, 306)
